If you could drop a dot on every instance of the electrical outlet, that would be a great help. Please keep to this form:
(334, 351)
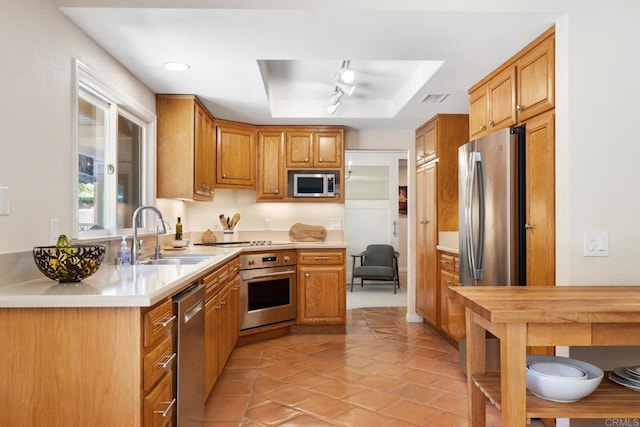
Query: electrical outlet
(335, 224)
(54, 230)
(267, 224)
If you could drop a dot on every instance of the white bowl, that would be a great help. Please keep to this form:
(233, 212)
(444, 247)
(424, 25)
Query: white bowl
(179, 243)
(559, 388)
(557, 369)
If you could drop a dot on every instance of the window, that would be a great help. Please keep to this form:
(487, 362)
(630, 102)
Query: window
(113, 159)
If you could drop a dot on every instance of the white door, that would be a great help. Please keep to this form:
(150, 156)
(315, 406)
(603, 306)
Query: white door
(371, 200)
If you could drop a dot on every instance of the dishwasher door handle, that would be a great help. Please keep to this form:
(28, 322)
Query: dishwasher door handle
(189, 314)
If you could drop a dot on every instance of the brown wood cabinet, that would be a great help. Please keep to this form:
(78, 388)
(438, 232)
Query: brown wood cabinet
(519, 89)
(540, 200)
(222, 287)
(426, 143)
(436, 204)
(426, 242)
(536, 80)
(451, 313)
(157, 361)
(235, 155)
(185, 148)
(319, 148)
(271, 172)
(89, 366)
(492, 105)
(322, 287)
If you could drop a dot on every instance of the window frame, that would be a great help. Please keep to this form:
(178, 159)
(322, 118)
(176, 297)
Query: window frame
(88, 83)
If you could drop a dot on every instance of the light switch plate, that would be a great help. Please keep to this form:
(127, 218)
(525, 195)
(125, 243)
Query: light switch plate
(596, 243)
(4, 201)
(335, 224)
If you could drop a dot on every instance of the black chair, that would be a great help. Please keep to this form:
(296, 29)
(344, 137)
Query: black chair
(377, 262)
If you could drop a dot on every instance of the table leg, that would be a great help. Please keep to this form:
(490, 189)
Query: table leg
(513, 380)
(476, 364)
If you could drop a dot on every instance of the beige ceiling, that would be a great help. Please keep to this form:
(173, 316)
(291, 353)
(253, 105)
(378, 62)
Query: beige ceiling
(273, 66)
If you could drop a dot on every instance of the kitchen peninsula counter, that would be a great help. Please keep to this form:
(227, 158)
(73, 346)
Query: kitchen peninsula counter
(133, 285)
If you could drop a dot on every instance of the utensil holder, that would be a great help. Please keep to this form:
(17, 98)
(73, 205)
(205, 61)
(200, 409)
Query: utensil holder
(229, 235)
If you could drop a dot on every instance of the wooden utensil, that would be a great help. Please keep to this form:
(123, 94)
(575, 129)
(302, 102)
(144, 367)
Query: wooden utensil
(235, 219)
(223, 221)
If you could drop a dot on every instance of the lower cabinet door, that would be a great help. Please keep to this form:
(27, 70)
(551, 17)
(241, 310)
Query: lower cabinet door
(321, 295)
(159, 405)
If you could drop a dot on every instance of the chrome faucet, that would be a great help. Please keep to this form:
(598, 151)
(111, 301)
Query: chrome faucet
(135, 245)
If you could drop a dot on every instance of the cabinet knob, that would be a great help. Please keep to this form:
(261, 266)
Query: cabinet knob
(528, 227)
(491, 123)
(483, 127)
(306, 159)
(320, 160)
(277, 191)
(307, 275)
(520, 107)
(224, 175)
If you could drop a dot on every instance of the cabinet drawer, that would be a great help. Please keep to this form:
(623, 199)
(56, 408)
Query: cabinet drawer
(321, 257)
(448, 262)
(160, 404)
(214, 281)
(158, 362)
(158, 322)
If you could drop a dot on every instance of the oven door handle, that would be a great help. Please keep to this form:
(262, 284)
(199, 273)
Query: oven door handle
(247, 276)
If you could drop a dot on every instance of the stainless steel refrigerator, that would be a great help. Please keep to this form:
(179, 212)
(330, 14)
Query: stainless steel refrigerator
(491, 209)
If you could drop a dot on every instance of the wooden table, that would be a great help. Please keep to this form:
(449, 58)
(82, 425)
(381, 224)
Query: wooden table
(545, 316)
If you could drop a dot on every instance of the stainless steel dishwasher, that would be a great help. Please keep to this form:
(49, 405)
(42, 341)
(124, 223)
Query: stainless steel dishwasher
(188, 306)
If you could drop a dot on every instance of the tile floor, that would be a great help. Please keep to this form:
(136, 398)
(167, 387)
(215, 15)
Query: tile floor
(383, 372)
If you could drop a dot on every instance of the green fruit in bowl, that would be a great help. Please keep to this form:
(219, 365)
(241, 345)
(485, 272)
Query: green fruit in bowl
(62, 252)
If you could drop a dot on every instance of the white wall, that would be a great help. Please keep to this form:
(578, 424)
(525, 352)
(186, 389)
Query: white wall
(38, 44)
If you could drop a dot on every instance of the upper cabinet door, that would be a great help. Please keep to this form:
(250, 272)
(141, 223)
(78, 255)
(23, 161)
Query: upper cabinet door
(314, 148)
(328, 149)
(478, 112)
(236, 156)
(205, 154)
(299, 149)
(186, 149)
(271, 175)
(502, 100)
(536, 80)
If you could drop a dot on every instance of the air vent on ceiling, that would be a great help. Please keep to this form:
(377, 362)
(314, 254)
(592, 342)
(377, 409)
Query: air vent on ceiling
(434, 98)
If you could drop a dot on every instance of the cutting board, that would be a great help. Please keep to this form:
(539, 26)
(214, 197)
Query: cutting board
(307, 233)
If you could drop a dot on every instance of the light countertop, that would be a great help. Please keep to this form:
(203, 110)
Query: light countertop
(131, 285)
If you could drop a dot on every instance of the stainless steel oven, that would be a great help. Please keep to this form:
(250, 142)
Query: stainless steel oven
(268, 290)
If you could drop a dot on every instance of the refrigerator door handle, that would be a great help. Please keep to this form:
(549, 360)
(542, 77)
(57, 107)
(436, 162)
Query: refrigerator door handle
(481, 202)
(468, 214)
(475, 253)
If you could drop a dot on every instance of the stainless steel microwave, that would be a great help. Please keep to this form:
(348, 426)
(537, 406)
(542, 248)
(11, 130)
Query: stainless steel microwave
(314, 184)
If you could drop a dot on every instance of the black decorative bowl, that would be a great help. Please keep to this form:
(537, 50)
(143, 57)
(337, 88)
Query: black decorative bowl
(69, 264)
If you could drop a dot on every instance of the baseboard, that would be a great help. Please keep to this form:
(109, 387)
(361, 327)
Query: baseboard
(413, 318)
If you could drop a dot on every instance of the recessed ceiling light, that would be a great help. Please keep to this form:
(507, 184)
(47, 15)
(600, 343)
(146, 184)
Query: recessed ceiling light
(431, 98)
(176, 66)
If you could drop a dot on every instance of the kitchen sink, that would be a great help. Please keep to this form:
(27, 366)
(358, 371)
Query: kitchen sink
(175, 261)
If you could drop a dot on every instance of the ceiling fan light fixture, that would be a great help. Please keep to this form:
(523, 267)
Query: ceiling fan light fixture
(332, 108)
(336, 96)
(347, 75)
(347, 88)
